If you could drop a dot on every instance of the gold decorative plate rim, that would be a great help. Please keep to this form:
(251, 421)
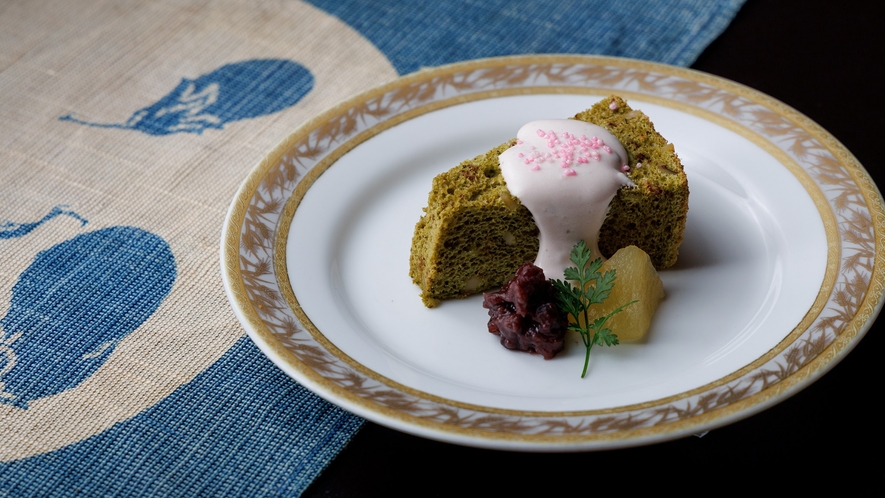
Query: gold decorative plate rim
(253, 254)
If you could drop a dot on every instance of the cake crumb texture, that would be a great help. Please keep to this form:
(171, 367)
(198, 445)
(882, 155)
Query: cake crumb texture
(473, 234)
(652, 215)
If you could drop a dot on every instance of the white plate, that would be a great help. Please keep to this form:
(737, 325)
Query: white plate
(775, 280)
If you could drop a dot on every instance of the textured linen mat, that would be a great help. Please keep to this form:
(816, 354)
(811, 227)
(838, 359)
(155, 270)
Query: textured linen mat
(125, 130)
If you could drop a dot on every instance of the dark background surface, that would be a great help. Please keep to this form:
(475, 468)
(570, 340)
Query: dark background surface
(824, 59)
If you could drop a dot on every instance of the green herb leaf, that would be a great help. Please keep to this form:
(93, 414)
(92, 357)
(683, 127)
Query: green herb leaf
(592, 288)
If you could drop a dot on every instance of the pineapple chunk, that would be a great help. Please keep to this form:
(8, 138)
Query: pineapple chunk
(636, 279)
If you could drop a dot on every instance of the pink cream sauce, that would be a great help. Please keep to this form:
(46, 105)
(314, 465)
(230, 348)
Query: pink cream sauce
(566, 173)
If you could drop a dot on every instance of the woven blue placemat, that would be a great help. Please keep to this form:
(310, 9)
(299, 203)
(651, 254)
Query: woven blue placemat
(92, 275)
(415, 35)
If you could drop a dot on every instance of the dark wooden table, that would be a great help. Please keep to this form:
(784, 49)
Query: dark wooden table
(823, 58)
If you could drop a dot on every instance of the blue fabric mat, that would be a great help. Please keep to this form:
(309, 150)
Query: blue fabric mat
(414, 35)
(242, 427)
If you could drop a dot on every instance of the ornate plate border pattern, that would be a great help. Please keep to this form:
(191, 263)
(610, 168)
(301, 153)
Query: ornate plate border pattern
(253, 254)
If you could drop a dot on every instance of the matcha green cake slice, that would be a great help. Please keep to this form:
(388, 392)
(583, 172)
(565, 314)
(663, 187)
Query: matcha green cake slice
(474, 234)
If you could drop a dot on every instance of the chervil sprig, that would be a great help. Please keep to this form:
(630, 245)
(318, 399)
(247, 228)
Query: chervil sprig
(593, 288)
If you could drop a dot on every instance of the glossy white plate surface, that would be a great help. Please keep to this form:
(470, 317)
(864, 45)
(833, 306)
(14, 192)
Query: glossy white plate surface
(774, 282)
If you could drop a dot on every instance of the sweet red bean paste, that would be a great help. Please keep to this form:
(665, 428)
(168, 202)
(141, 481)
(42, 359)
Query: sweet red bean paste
(525, 315)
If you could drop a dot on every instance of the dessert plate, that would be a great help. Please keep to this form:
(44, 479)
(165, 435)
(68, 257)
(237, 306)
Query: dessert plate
(775, 282)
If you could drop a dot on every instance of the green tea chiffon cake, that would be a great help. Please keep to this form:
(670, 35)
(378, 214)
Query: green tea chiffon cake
(474, 233)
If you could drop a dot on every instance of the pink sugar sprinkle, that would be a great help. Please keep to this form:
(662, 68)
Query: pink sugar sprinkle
(607, 149)
(582, 159)
(625, 168)
(519, 142)
(569, 172)
(638, 165)
(541, 133)
(535, 167)
(613, 105)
